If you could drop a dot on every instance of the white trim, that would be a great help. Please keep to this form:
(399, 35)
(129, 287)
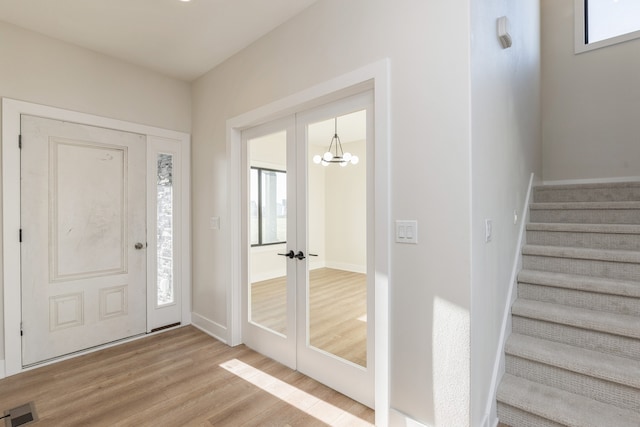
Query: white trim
(11, 112)
(593, 180)
(505, 331)
(209, 327)
(376, 75)
(2, 375)
(579, 32)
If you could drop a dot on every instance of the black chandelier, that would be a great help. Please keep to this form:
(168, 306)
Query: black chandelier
(337, 155)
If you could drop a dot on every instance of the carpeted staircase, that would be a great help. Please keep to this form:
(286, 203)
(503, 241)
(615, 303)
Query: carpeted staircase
(573, 358)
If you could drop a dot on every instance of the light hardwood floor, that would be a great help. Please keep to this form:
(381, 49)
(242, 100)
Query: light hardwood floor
(338, 308)
(180, 377)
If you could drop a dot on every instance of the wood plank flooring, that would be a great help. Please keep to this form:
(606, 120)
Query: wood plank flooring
(338, 309)
(181, 377)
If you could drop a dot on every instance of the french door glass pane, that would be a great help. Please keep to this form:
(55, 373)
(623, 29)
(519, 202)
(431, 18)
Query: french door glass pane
(165, 230)
(337, 235)
(267, 305)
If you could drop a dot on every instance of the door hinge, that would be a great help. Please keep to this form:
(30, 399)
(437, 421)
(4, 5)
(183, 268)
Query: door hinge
(21, 330)
(20, 142)
(20, 236)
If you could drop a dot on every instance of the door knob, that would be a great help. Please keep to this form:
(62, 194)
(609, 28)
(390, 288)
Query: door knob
(289, 254)
(300, 255)
(138, 246)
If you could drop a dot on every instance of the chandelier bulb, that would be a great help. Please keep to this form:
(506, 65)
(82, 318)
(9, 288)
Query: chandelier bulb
(317, 159)
(327, 156)
(355, 160)
(346, 156)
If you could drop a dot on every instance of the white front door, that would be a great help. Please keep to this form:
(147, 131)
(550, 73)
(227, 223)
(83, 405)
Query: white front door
(83, 250)
(308, 297)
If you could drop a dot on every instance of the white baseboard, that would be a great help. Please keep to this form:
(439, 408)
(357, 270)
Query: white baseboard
(398, 419)
(2, 370)
(268, 275)
(347, 267)
(490, 416)
(209, 327)
(593, 180)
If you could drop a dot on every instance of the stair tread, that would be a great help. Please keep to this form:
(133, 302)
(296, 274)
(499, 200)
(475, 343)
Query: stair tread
(587, 186)
(617, 324)
(601, 285)
(584, 228)
(584, 205)
(576, 359)
(561, 406)
(614, 255)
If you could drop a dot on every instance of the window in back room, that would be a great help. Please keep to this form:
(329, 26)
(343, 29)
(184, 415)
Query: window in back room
(601, 23)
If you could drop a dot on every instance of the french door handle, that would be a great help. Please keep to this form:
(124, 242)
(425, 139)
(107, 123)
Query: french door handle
(289, 254)
(313, 254)
(300, 255)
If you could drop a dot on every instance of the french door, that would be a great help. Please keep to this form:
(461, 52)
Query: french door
(308, 222)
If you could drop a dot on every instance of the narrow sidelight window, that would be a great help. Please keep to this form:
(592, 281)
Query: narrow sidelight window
(165, 236)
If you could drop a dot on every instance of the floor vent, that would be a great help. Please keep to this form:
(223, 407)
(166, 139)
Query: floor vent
(21, 415)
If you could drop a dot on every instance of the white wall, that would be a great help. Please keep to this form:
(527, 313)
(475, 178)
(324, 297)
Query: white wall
(506, 148)
(346, 213)
(590, 103)
(317, 213)
(41, 70)
(430, 166)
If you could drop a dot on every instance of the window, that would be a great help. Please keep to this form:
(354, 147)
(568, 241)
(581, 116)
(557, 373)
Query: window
(164, 231)
(601, 23)
(268, 206)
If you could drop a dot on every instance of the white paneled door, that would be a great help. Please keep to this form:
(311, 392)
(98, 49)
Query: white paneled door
(83, 226)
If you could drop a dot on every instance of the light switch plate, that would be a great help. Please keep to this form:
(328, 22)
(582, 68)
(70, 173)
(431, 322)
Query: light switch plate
(214, 223)
(407, 231)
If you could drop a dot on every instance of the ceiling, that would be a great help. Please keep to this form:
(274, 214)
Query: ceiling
(180, 39)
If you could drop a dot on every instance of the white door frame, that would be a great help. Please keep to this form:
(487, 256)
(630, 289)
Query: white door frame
(11, 112)
(374, 76)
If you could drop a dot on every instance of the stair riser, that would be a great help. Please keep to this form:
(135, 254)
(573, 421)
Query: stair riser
(628, 242)
(515, 417)
(586, 216)
(585, 338)
(602, 194)
(608, 269)
(594, 388)
(574, 298)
